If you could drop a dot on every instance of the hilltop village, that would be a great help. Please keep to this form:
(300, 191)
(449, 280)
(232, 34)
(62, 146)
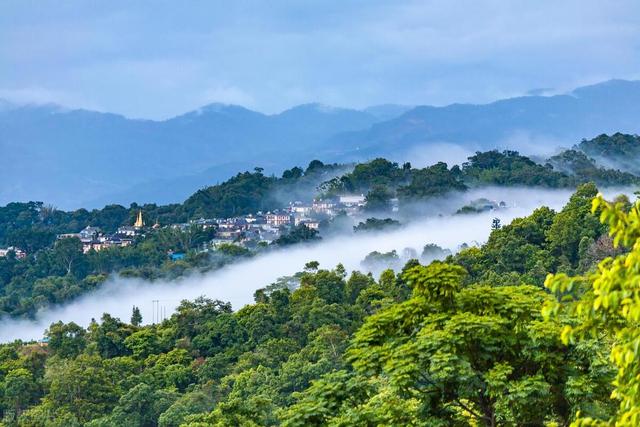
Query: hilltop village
(249, 231)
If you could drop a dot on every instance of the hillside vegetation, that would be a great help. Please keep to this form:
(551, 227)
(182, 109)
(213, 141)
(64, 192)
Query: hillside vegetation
(537, 326)
(474, 340)
(57, 271)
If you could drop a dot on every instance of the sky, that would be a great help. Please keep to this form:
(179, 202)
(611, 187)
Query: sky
(156, 59)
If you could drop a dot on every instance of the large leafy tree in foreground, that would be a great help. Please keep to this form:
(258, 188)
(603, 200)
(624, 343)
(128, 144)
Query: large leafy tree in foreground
(455, 355)
(608, 302)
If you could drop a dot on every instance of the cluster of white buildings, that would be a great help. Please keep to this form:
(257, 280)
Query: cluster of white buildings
(252, 229)
(247, 230)
(19, 253)
(93, 238)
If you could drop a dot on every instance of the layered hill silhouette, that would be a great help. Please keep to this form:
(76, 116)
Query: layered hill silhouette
(608, 107)
(74, 158)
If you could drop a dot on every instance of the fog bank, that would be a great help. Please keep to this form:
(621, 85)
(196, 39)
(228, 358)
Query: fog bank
(236, 283)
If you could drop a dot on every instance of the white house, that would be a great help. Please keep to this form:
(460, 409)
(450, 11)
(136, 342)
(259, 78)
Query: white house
(278, 219)
(352, 200)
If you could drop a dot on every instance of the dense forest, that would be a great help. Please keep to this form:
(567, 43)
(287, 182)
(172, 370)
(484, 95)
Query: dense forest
(482, 338)
(541, 316)
(619, 150)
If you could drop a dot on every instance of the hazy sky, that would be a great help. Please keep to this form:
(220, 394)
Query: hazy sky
(155, 59)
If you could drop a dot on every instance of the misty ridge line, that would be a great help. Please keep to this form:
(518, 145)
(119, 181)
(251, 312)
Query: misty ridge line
(237, 282)
(207, 146)
(381, 111)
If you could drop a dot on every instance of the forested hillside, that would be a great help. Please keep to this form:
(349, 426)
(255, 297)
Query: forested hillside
(55, 271)
(33, 225)
(620, 150)
(453, 342)
(473, 340)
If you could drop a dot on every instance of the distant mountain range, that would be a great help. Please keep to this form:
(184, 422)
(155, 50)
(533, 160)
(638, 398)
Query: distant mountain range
(529, 123)
(73, 158)
(77, 158)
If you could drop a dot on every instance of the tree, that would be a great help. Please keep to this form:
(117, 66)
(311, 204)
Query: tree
(585, 169)
(143, 343)
(376, 262)
(325, 398)
(312, 266)
(328, 285)
(136, 316)
(378, 199)
(510, 168)
(83, 387)
(573, 223)
(293, 173)
(376, 224)
(431, 252)
(356, 284)
(313, 165)
(68, 252)
(244, 193)
(477, 354)
(608, 301)
(140, 407)
(233, 251)
(195, 402)
(620, 149)
(495, 223)
(301, 233)
(190, 316)
(219, 334)
(109, 336)
(516, 252)
(433, 181)
(19, 390)
(66, 340)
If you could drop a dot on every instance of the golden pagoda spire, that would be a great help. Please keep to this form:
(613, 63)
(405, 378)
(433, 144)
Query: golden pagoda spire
(139, 221)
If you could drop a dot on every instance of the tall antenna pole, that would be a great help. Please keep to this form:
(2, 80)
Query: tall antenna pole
(155, 311)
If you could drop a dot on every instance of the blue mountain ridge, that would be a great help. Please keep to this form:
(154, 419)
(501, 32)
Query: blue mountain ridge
(74, 158)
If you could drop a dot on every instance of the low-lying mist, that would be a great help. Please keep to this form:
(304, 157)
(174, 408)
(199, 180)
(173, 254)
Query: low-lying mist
(236, 283)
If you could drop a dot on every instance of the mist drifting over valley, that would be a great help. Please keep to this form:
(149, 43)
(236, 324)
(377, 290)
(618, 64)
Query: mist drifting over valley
(236, 283)
(328, 213)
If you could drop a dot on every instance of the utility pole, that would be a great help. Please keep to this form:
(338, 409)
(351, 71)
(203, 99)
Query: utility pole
(158, 312)
(155, 311)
